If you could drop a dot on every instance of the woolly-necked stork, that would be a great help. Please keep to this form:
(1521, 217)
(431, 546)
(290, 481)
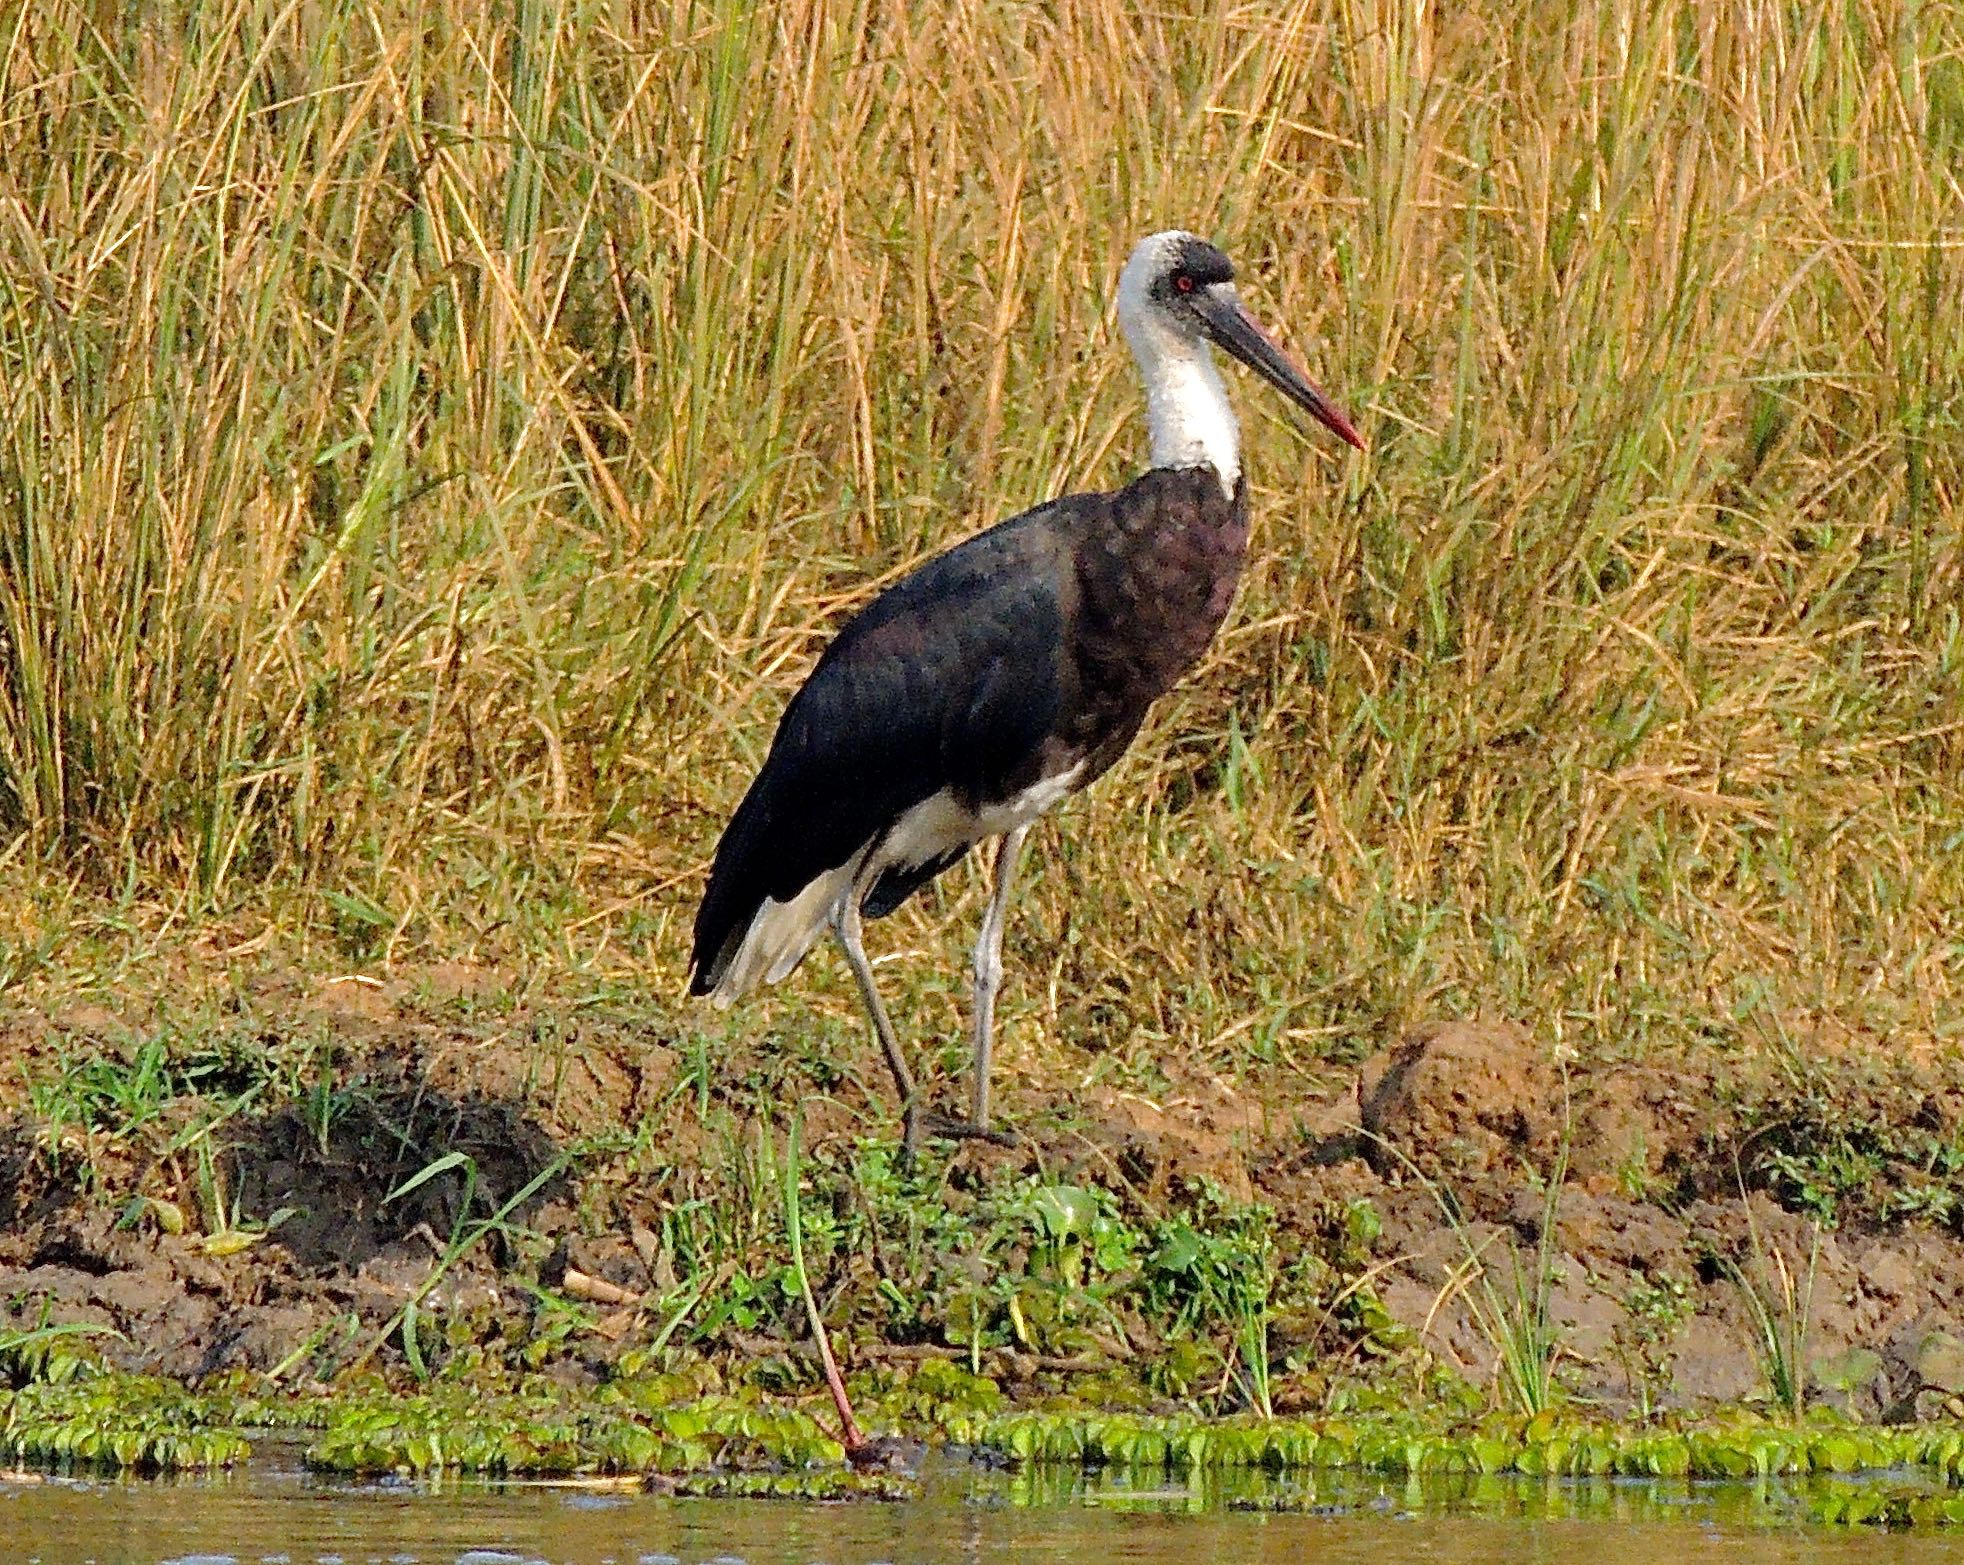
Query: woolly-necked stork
(1001, 676)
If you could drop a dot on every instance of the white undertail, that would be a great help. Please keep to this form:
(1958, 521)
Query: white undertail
(1187, 408)
(781, 933)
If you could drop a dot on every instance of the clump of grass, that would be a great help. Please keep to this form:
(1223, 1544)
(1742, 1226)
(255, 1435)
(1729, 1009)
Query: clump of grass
(1212, 1271)
(1013, 1268)
(1509, 1307)
(1779, 1297)
(1858, 1141)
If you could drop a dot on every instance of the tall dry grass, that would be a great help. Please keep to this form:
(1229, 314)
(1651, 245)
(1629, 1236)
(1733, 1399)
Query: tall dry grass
(437, 436)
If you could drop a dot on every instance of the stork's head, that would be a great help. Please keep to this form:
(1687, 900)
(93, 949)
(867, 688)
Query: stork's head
(1176, 295)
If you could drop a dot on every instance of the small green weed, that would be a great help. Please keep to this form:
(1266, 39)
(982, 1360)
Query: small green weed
(45, 1354)
(1215, 1270)
(1645, 1340)
(468, 1233)
(1858, 1149)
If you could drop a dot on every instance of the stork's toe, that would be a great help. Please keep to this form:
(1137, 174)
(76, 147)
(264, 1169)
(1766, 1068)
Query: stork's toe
(945, 1127)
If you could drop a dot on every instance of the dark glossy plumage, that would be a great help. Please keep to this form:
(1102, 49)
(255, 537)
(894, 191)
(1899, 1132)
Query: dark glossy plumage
(976, 694)
(1027, 650)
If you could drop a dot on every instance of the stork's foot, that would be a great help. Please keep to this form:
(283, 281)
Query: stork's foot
(921, 1123)
(945, 1127)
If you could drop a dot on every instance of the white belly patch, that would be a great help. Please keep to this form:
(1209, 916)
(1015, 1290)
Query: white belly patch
(781, 933)
(942, 824)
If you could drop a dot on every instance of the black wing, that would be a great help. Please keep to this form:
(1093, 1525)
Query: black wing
(949, 679)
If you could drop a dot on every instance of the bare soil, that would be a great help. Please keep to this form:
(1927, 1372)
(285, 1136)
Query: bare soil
(1452, 1135)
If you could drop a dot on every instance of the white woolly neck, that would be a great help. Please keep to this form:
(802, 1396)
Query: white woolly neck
(1188, 415)
(1187, 410)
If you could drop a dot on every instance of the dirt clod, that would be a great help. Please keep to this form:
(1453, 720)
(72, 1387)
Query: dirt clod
(1459, 1101)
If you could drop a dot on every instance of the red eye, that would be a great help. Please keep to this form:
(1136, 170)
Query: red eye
(1183, 282)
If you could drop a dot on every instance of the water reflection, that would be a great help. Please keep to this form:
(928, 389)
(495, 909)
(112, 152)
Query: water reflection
(274, 1514)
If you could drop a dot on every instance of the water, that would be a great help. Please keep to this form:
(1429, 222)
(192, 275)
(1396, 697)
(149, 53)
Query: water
(274, 1514)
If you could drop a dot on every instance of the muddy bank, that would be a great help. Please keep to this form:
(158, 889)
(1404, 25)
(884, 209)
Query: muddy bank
(558, 1186)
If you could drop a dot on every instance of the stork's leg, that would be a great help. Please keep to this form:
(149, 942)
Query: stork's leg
(988, 966)
(846, 925)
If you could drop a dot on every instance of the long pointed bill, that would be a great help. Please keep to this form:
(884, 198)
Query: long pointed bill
(1241, 334)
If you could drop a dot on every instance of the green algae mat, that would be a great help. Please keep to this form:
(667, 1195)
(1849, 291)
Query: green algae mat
(666, 1432)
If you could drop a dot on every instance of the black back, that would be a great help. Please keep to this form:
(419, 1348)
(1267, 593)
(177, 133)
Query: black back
(1031, 646)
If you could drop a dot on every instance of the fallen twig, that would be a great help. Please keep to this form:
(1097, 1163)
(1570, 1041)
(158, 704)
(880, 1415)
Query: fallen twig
(576, 1284)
